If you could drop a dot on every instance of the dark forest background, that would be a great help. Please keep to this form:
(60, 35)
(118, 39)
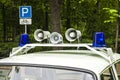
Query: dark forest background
(88, 16)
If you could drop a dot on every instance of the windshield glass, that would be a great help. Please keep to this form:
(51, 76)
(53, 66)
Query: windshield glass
(38, 73)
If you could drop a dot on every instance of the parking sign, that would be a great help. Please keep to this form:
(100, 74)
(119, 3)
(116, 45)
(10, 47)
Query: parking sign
(25, 12)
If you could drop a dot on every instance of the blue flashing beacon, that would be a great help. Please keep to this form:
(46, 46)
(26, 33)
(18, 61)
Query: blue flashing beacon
(99, 40)
(24, 39)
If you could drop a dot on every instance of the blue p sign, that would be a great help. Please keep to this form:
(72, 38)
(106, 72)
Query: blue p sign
(25, 12)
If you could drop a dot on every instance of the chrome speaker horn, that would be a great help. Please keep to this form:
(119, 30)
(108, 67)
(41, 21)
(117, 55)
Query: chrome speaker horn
(40, 35)
(56, 38)
(72, 34)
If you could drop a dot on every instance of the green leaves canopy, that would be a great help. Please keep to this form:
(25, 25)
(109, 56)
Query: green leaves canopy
(88, 16)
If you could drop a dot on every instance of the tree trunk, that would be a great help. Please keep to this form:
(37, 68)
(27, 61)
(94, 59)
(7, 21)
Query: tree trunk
(55, 15)
(46, 21)
(98, 5)
(117, 29)
(14, 11)
(116, 42)
(46, 16)
(4, 23)
(68, 14)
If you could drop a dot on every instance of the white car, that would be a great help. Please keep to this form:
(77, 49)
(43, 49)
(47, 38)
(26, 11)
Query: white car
(84, 62)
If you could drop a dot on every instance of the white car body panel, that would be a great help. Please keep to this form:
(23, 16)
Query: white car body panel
(79, 59)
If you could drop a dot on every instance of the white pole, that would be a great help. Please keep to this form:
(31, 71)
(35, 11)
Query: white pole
(25, 28)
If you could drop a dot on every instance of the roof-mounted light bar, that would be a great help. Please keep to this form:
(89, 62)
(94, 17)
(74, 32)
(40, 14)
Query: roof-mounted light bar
(99, 40)
(24, 39)
(56, 38)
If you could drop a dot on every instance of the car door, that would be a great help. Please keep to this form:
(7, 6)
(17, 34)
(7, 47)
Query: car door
(109, 73)
(118, 69)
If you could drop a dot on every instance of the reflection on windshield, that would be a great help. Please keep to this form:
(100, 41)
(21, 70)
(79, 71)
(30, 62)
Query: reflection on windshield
(36, 73)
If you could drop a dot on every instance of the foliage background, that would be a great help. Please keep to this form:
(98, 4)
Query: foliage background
(88, 16)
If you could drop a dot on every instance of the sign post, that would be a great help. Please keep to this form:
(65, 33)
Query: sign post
(25, 15)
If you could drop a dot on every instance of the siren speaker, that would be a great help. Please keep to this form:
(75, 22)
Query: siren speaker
(40, 35)
(72, 34)
(56, 38)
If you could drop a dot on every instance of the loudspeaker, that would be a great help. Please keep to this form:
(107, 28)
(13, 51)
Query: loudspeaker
(40, 35)
(56, 38)
(72, 34)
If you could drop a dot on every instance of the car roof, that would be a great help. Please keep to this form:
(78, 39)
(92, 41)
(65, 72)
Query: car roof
(68, 58)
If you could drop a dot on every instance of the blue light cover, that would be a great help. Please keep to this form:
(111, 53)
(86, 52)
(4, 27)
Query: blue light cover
(99, 40)
(24, 39)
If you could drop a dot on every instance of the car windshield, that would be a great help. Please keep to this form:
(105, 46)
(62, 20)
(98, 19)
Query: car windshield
(38, 73)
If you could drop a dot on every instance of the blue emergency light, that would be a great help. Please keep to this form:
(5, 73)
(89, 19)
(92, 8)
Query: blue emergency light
(99, 40)
(24, 39)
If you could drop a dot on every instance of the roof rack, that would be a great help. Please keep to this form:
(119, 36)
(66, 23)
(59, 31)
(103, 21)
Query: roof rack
(55, 39)
(106, 52)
